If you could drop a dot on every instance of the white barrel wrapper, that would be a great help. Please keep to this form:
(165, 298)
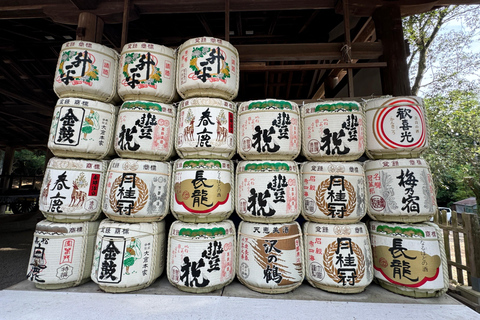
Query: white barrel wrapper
(203, 190)
(333, 192)
(145, 130)
(270, 256)
(128, 256)
(400, 190)
(146, 72)
(137, 190)
(338, 257)
(82, 128)
(268, 192)
(269, 129)
(86, 70)
(201, 256)
(62, 253)
(207, 67)
(409, 259)
(72, 189)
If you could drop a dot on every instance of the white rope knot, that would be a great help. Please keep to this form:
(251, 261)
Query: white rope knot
(346, 53)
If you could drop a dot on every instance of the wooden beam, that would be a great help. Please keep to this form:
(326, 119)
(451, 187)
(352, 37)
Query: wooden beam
(85, 4)
(90, 27)
(27, 101)
(126, 13)
(306, 67)
(227, 20)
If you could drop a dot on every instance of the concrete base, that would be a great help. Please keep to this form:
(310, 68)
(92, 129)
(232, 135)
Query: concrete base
(163, 301)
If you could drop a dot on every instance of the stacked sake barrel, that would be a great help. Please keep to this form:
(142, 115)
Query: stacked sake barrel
(81, 136)
(337, 246)
(270, 247)
(201, 243)
(408, 252)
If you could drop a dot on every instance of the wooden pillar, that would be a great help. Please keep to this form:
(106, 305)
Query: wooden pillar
(90, 27)
(472, 227)
(347, 49)
(6, 171)
(388, 25)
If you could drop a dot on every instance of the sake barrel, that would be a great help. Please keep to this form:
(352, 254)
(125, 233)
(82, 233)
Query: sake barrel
(270, 256)
(206, 128)
(268, 129)
(409, 259)
(82, 128)
(268, 192)
(128, 256)
(333, 131)
(201, 256)
(86, 70)
(333, 192)
(207, 67)
(396, 128)
(137, 190)
(203, 190)
(145, 130)
(72, 189)
(62, 254)
(338, 257)
(400, 190)
(146, 72)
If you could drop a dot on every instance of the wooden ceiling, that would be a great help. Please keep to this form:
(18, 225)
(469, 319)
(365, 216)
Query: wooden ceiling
(289, 49)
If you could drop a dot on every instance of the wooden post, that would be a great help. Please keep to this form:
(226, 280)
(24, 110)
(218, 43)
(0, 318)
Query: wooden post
(388, 25)
(126, 17)
(347, 51)
(90, 27)
(227, 20)
(472, 228)
(6, 171)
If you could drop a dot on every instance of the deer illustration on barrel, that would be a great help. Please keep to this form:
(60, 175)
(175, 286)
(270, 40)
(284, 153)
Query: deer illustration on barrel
(77, 196)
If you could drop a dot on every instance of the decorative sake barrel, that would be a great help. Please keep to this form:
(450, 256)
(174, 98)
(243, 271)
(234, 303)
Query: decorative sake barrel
(409, 259)
(82, 128)
(128, 256)
(333, 131)
(333, 192)
(400, 190)
(206, 128)
(145, 130)
(268, 192)
(338, 257)
(203, 190)
(396, 128)
(72, 190)
(207, 67)
(146, 72)
(201, 256)
(269, 129)
(62, 254)
(86, 70)
(270, 256)
(137, 190)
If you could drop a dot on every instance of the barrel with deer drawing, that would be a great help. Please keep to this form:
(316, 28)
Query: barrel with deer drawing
(206, 128)
(145, 130)
(207, 67)
(338, 256)
(72, 189)
(137, 190)
(82, 128)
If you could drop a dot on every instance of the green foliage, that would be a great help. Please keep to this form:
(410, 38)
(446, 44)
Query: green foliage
(28, 163)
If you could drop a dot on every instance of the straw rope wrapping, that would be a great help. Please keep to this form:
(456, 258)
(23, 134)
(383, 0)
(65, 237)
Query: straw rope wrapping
(323, 205)
(141, 200)
(330, 267)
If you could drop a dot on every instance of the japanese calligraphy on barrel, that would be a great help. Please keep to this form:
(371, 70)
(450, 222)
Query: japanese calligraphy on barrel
(338, 257)
(333, 192)
(62, 254)
(270, 256)
(128, 256)
(269, 129)
(146, 72)
(201, 256)
(206, 128)
(137, 190)
(207, 67)
(268, 192)
(72, 189)
(400, 190)
(86, 70)
(409, 259)
(396, 128)
(203, 190)
(82, 128)
(333, 131)
(145, 130)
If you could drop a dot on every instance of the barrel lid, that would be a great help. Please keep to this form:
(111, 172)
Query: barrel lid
(393, 101)
(148, 106)
(338, 230)
(331, 107)
(208, 41)
(77, 164)
(147, 166)
(202, 163)
(267, 166)
(207, 102)
(269, 104)
(145, 46)
(49, 228)
(397, 163)
(86, 103)
(332, 167)
(212, 230)
(425, 230)
(89, 45)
